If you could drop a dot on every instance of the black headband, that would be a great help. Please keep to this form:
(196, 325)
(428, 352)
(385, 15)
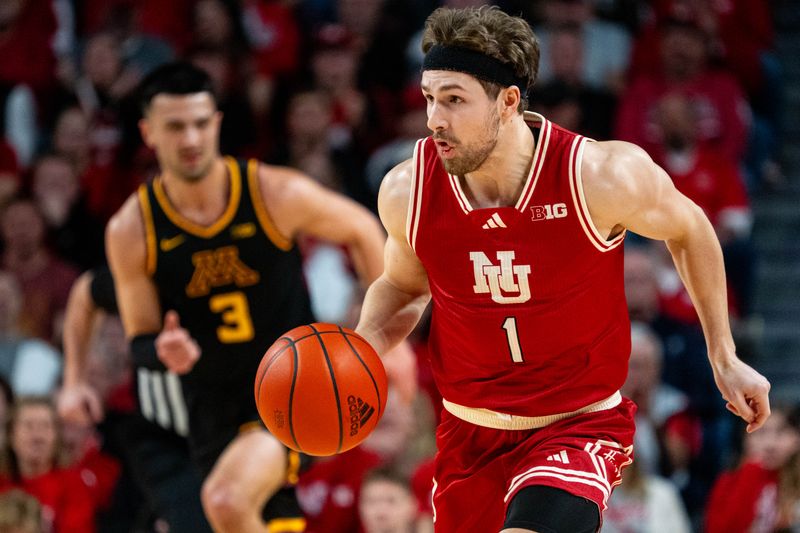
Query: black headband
(483, 67)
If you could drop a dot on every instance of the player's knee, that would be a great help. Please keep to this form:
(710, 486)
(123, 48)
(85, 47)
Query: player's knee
(224, 505)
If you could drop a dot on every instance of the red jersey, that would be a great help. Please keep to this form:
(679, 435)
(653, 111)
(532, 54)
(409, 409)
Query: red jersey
(529, 313)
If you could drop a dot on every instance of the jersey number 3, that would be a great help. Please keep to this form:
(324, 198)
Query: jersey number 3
(237, 326)
(510, 326)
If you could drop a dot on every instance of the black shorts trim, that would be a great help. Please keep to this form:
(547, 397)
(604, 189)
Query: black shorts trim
(550, 510)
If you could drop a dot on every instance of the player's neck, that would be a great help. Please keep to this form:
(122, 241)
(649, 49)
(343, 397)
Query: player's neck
(203, 200)
(500, 179)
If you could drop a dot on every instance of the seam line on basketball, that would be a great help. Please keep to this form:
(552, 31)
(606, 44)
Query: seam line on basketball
(291, 397)
(335, 386)
(369, 372)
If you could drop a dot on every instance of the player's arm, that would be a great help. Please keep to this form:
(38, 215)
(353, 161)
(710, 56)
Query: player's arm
(78, 402)
(624, 188)
(395, 301)
(299, 205)
(137, 297)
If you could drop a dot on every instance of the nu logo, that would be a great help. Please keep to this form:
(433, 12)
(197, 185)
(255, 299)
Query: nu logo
(217, 268)
(508, 283)
(548, 211)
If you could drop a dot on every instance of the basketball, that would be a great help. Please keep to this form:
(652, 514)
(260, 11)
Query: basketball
(321, 389)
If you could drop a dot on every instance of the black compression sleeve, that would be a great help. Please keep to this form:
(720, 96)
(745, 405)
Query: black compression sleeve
(102, 289)
(143, 352)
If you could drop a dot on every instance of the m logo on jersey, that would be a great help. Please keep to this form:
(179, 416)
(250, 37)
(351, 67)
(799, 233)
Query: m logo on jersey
(548, 211)
(217, 268)
(507, 282)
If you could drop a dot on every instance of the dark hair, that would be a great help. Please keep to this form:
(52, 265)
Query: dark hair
(492, 32)
(389, 474)
(178, 78)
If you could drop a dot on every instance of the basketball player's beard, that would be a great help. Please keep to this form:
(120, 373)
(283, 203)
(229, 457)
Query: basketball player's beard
(476, 153)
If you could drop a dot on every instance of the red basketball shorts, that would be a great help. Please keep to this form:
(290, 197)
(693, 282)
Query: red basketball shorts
(478, 470)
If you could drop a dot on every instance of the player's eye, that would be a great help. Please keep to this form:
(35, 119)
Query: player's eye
(456, 100)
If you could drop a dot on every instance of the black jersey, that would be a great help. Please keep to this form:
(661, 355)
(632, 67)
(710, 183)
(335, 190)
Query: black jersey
(237, 284)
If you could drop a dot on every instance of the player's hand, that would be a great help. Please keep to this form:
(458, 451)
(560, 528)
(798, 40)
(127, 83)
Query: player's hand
(401, 370)
(175, 347)
(745, 390)
(80, 404)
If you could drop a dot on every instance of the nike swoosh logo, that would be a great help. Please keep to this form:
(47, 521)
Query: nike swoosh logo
(172, 243)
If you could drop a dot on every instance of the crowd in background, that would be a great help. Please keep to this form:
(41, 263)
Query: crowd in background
(331, 87)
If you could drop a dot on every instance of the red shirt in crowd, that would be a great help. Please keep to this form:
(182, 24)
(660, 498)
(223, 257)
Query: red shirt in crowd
(67, 505)
(743, 501)
(723, 115)
(328, 492)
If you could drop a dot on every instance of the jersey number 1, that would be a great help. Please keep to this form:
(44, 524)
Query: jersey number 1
(510, 325)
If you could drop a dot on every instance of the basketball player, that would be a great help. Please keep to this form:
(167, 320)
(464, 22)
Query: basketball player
(155, 447)
(513, 227)
(211, 243)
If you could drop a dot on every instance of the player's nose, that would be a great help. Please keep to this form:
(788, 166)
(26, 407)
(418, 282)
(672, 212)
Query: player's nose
(436, 119)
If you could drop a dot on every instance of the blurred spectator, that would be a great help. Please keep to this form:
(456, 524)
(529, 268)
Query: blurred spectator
(30, 365)
(722, 114)
(313, 146)
(685, 368)
(75, 235)
(386, 503)
(685, 365)
(761, 494)
(662, 419)
(334, 65)
(33, 464)
(101, 91)
(644, 503)
(18, 128)
(329, 491)
(27, 28)
(44, 278)
(412, 126)
(241, 134)
(9, 172)
(714, 183)
(601, 48)
(99, 471)
(20, 513)
(273, 35)
(167, 20)
(71, 138)
(566, 97)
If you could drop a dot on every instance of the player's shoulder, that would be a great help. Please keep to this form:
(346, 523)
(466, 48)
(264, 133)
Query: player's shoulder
(613, 164)
(127, 223)
(394, 194)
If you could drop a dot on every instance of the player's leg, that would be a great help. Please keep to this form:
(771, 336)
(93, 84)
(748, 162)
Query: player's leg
(160, 462)
(542, 509)
(249, 472)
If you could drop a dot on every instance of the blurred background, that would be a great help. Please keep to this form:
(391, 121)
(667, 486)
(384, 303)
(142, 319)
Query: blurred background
(710, 88)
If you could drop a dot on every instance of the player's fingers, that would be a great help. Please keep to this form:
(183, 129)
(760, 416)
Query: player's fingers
(742, 408)
(729, 406)
(95, 407)
(760, 405)
(171, 321)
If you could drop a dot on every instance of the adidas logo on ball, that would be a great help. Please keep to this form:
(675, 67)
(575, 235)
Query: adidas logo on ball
(360, 413)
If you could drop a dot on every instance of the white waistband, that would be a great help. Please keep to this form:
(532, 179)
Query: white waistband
(495, 420)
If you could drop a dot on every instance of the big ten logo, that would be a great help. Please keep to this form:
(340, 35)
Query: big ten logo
(217, 268)
(506, 282)
(548, 211)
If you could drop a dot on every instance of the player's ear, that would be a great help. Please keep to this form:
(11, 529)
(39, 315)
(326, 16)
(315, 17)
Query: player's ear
(510, 100)
(144, 130)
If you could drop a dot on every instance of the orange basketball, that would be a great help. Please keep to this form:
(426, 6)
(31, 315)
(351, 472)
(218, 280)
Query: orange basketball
(321, 389)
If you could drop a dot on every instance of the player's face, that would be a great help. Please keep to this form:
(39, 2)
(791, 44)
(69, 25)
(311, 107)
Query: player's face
(184, 132)
(386, 507)
(463, 119)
